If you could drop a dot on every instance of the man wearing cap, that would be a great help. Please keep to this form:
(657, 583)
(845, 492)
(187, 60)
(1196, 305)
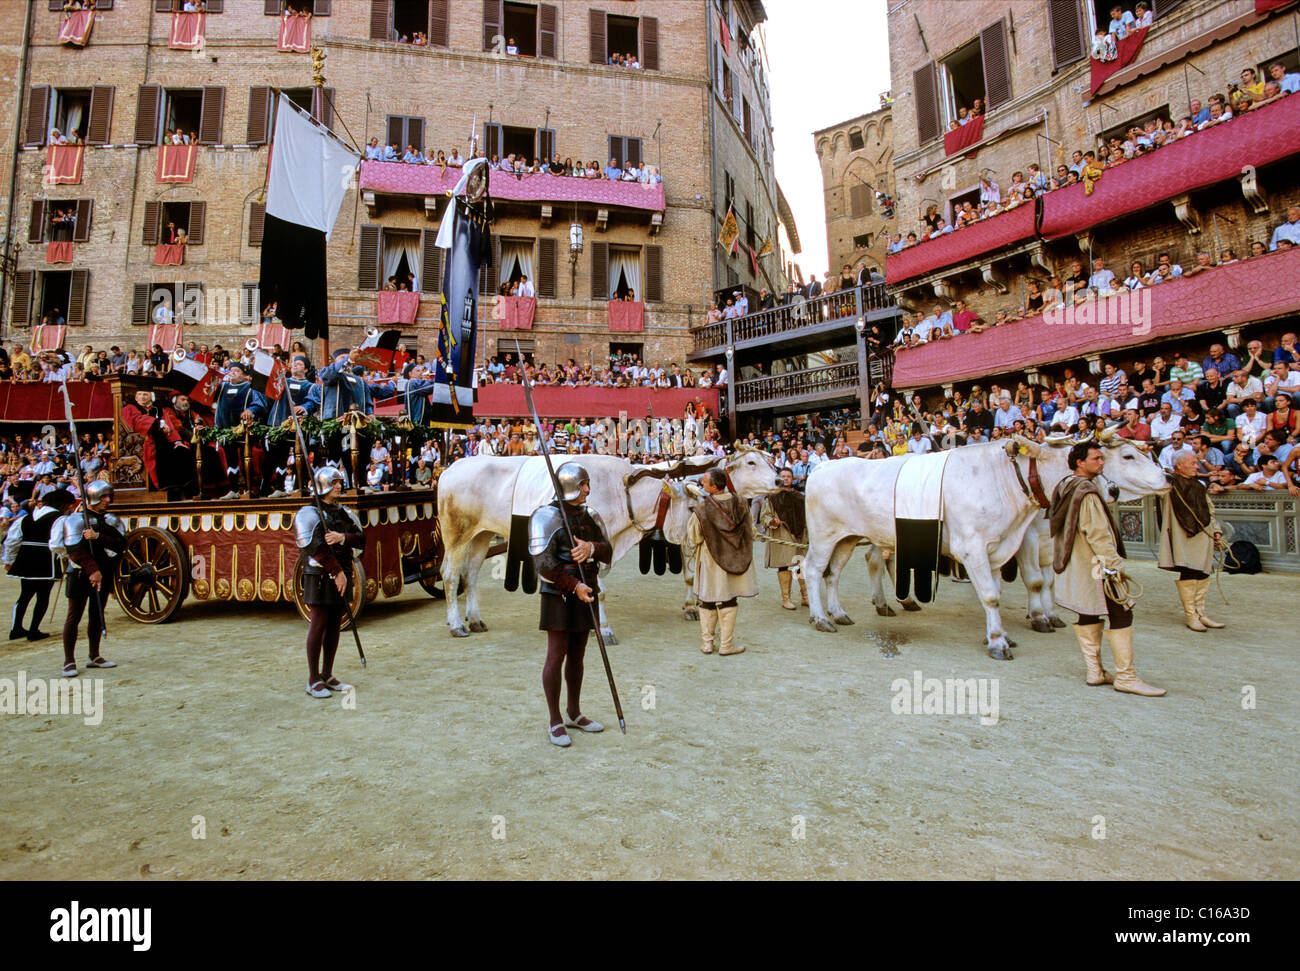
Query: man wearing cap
(27, 557)
(180, 476)
(143, 417)
(301, 398)
(568, 562)
(238, 402)
(92, 539)
(720, 538)
(343, 388)
(327, 537)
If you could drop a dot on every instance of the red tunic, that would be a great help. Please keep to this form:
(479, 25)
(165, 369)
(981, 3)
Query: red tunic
(142, 424)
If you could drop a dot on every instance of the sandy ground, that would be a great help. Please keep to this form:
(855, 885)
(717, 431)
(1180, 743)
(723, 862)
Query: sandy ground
(441, 770)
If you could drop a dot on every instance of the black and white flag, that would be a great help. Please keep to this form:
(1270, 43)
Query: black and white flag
(311, 171)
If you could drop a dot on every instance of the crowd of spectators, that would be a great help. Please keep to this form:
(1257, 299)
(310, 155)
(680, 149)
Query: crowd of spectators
(519, 165)
(31, 466)
(623, 371)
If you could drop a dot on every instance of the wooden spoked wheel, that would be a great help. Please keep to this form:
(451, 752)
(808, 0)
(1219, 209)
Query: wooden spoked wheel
(357, 593)
(152, 577)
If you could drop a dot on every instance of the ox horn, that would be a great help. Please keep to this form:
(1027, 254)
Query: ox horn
(1108, 436)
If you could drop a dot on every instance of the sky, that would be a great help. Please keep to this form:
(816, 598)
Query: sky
(829, 62)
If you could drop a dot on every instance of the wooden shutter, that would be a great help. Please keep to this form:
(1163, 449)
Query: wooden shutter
(256, 222)
(490, 278)
(380, 23)
(323, 103)
(152, 217)
(493, 139)
(616, 150)
(272, 7)
(1065, 21)
(415, 133)
(216, 6)
(81, 228)
(1164, 7)
(546, 24)
(430, 262)
(148, 104)
(744, 115)
(546, 267)
(927, 103)
(36, 229)
(654, 273)
(140, 293)
(368, 261)
(55, 6)
(997, 68)
(163, 6)
(198, 222)
(545, 143)
(259, 116)
(439, 20)
(599, 52)
(212, 116)
(599, 271)
(491, 23)
(38, 112)
(101, 114)
(77, 298)
(20, 314)
(396, 131)
(632, 151)
(650, 43)
(319, 8)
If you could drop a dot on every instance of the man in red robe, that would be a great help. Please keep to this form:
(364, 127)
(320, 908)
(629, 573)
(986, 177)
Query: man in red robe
(142, 417)
(180, 421)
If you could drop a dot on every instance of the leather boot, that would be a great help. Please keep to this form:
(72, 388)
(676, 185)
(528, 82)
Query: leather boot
(1089, 636)
(708, 621)
(1126, 679)
(803, 592)
(727, 627)
(783, 578)
(1187, 594)
(1203, 588)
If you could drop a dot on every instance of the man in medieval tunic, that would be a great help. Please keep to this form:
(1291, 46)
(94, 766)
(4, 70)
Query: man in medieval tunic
(1188, 536)
(783, 520)
(142, 417)
(720, 537)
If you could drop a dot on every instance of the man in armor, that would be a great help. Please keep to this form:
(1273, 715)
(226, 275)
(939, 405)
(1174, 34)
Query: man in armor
(302, 398)
(327, 537)
(1188, 536)
(28, 557)
(784, 521)
(1088, 558)
(92, 538)
(238, 402)
(568, 565)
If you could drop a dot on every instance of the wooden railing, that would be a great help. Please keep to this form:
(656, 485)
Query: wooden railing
(794, 384)
(789, 318)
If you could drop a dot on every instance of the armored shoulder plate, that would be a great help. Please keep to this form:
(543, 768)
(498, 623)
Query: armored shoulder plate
(600, 524)
(543, 524)
(305, 521)
(356, 521)
(72, 528)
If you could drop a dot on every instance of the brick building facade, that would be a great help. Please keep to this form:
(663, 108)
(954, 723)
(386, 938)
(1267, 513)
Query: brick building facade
(857, 161)
(127, 85)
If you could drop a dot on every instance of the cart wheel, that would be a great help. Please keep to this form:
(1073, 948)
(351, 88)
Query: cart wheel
(357, 594)
(152, 577)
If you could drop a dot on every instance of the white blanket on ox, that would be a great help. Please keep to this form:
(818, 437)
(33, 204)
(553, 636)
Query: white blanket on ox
(918, 490)
(533, 487)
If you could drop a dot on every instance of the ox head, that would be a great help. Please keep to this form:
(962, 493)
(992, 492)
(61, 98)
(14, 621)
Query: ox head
(683, 495)
(752, 472)
(1130, 471)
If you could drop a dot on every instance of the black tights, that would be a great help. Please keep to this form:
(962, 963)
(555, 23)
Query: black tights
(719, 605)
(36, 592)
(1186, 574)
(79, 593)
(322, 638)
(563, 648)
(1119, 616)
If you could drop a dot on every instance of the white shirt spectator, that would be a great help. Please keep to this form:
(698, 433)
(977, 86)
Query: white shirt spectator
(1259, 478)
(1169, 454)
(1288, 230)
(1253, 386)
(1162, 428)
(1066, 417)
(1101, 280)
(919, 446)
(1006, 417)
(1252, 429)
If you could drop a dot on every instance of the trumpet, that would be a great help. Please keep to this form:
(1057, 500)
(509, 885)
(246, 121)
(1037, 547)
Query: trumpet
(179, 355)
(252, 346)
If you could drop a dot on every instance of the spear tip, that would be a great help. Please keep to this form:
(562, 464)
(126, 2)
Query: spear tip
(622, 726)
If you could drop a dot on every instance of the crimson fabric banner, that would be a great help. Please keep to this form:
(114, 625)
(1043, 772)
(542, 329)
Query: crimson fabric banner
(1226, 296)
(295, 33)
(1268, 6)
(1259, 137)
(1129, 45)
(507, 401)
(63, 164)
(396, 307)
(960, 245)
(187, 31)
(169, 254)
(75, 28)
(91, 401)
(168, 336)
(48, 337)
(963, 136)
(626, 316)
(268, 335)
(176, 162)
(516, 313)
(59, 251)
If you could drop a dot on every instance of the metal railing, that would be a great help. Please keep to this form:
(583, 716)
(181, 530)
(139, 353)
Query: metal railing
(789, 318)
(795, 384)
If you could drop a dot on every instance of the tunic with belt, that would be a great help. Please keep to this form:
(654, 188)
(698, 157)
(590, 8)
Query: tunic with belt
(1177, 549)
(782, 554)
(549, 544)
(27, 546)
(713, 584)
(1096, 544)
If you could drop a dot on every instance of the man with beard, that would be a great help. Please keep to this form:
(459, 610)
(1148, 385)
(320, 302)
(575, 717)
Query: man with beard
(1188, 536)
(179, 474)
(720, 538)
(143, 417)
(783, 519)
(301, 398)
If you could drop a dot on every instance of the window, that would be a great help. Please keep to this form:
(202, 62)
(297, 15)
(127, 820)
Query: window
(621, 36)
(400, 259)
(860, 199)
(60, 220)
(613, 34)
(520, 142)
(163, 220)
(625, 151)
(1098, 11)
(60, 294)
(620, 351)
(508, 351)
(519, 25)
(855, 140)
(962, 80)
(955, 202)
(72, 112)
(750, 241)
(410, 16)
(404, 130)
(182, 110)
(864, 241)
(728, 191)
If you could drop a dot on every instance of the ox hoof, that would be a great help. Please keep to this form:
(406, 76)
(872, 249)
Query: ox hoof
(910, 604)
(1056, 621)
(886, 611)
(844, 620)
(461, 631)
(478, 627)
(608, 635)
(691, 613)
(1000, 651)
(822, 624)
(1042, 625)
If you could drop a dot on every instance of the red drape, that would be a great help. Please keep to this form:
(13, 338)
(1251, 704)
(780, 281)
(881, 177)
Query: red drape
(169, 254)
(1128, 46)
(75, 27)
(63, 164)
(268, 335)
(41, 403)
(48, 337)
(960, 245)
(295, 33)
(516, 313)
(58, 252)
(168, 335)
(187, 31)
(963, 136)
(507, 401)
(1268, 6)
(176, 162)
(397, 307)
(626, 315)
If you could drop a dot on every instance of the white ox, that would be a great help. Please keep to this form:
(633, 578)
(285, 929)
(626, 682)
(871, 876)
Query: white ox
(477, 496)
(986, 514)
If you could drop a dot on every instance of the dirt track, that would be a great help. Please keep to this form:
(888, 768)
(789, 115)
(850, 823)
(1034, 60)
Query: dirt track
(207, 717)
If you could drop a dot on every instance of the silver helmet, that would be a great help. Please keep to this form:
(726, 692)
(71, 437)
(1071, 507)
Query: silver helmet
(324, 479)
(571, 476)
(98, 491)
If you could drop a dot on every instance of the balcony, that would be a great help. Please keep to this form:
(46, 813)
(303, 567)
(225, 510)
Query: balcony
(808, 323)
(818, 385)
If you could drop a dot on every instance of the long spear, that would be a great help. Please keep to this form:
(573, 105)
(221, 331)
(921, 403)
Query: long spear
(555, 483)
(98, 607)
(320, 511)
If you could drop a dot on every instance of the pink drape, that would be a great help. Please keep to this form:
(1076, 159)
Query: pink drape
(176, 162)
(626, 316)
(169, 254)
(963, 136)
(58, 252)
(295, 33)
(187, 31)
(397, 307)
(63, 164)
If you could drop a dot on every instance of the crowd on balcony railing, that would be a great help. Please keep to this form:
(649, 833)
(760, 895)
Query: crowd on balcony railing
(1247, 94)
(623, 371)
(737, 304)
(1079, 286)
(518, 165)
